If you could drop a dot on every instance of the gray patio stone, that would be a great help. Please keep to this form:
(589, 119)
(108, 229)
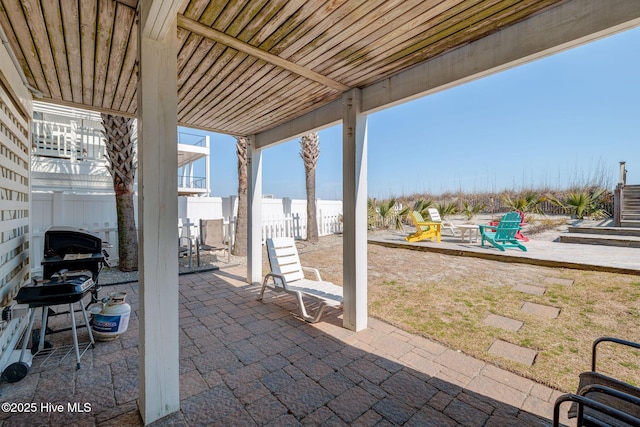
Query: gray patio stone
(352, 404)
(248, 393)
(303, 397)
(336, 384)
(369, 418)
(191, 384)
(503, 322)
(280, 371)
(409, 389)
(465, 414)
(430, 417)
(276, 380)
(540, 310)
(370, 371)
(508, 378)
(460, 362)
(513, 352)
(394, 410)
(314, 368)
(210, 406)
(266, 409)
(440, 400)
(495, 390)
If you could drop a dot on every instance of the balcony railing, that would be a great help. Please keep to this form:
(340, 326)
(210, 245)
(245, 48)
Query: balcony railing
(66, 141)
(192, 182)
(192, 139)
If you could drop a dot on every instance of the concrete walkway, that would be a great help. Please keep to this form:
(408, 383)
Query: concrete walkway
(550, 254)
(246, 363)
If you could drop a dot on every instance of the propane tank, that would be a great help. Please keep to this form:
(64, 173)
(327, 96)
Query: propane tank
(113, 319)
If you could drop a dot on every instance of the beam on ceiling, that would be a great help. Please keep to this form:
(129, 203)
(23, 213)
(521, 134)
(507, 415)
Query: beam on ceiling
(220, 37)
(326, 116)
(559, 28)
(87, 107)
(157, 18)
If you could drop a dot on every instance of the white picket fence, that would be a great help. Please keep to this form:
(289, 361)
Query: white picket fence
(97, 213)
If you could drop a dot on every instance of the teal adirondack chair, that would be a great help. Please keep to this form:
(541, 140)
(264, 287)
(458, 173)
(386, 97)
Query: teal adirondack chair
(503, 235)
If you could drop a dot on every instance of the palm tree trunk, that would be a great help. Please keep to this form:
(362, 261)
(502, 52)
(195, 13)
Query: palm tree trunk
(121, 154)
(127, 233)
(310, 152)
(240, 240)
(312, 218)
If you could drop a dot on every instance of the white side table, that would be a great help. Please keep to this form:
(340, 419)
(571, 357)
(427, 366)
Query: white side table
(468, 229)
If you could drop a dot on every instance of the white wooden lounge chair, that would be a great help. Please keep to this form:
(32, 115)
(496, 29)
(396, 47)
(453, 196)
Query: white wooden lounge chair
(287, 276)
(435, 217)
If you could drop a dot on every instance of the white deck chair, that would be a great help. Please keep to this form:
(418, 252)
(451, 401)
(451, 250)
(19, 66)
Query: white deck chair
(435, 217)
(287, 276)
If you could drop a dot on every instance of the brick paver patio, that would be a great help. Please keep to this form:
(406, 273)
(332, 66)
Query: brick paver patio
(245, 363)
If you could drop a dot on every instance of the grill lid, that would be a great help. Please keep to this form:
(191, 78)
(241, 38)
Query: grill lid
(59, 241)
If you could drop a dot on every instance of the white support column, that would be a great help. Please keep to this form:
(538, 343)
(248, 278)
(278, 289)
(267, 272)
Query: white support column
(354, 193)
(207, 166)
(254, 212)
(158, 219)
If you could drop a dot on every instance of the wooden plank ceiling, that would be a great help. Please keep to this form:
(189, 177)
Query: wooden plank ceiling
(244, 66)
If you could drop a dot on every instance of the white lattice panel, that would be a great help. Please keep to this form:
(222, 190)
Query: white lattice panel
(14, 216)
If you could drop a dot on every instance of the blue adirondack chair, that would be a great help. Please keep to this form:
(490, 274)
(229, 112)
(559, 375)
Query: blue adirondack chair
(503, 235)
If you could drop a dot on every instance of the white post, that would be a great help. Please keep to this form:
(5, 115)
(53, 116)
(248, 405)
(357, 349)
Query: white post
(354, 189)
(623, 174)
(207, 167)
(254, 212)
(157, 220)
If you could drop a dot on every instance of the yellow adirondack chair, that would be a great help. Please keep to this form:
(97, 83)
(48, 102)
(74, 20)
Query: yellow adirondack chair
(424, 229)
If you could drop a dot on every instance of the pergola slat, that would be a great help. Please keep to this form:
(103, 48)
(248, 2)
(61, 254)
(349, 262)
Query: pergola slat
(104, 34)
(29, 62)
(122, 36)
(88, 19)
(38, 30)
(83, 51)
(52, 15)
(71, 26)
(128, 71)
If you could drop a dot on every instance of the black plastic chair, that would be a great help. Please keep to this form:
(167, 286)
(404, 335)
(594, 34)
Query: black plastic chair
(602, 400)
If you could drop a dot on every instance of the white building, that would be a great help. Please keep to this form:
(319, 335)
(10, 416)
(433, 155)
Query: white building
(68, 154)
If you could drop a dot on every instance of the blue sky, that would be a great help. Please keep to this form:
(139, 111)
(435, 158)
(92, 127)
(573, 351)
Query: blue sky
(565, 119)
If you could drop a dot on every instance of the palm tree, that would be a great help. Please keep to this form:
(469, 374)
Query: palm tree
(240, 240)
(385, 214)
(121, 155)
(472, 209)
(587, 203)
(447, 208)
(422, 206)
(310, 152)
(530, 203)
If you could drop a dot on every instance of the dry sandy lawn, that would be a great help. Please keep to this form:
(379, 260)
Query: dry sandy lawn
(446, 298)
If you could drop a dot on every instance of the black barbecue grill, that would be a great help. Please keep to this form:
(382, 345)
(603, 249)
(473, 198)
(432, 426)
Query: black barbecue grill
(72, 261)
(73, 256)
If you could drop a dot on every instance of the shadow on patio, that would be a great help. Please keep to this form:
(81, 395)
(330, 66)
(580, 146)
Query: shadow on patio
(244, 362)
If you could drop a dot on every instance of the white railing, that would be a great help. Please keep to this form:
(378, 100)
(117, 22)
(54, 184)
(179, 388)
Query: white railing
(284, 226)
(330, 223)
(66, 141)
